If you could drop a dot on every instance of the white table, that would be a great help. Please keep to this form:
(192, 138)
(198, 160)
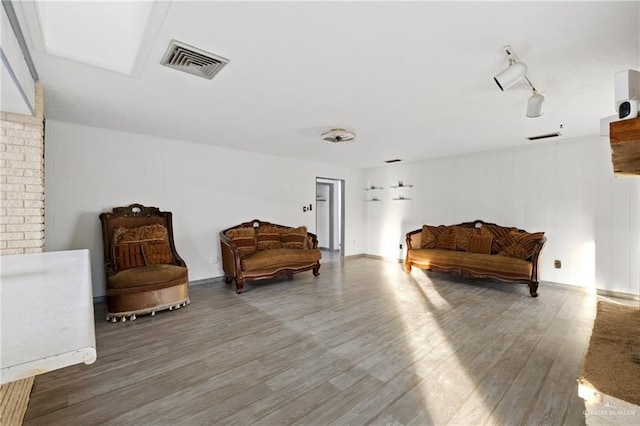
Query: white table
(46, 316)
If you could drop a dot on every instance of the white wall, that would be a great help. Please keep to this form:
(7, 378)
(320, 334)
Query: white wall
(567, 190)
(91, 170)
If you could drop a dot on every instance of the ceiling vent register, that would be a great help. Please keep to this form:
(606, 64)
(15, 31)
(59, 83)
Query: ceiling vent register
(182, 57)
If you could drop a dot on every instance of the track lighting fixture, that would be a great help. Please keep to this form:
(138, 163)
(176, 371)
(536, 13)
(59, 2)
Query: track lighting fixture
(511, 75)
(534, 105)
(515, 72)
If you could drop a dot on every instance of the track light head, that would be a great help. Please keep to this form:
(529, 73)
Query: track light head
(515, 72)
(510, 75)
(534, 105)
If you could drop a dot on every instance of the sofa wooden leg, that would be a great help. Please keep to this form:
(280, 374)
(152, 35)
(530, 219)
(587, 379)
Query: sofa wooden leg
(227, 279)
(316, 270)
(407, 268)
(239, 285)
(533, 289)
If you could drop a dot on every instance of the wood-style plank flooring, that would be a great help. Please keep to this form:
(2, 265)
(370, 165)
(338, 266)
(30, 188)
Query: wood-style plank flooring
(364, 343)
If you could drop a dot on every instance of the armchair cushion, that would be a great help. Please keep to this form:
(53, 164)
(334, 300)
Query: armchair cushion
(147, 275)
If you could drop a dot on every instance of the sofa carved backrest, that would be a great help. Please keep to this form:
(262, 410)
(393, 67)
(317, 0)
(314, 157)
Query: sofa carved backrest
(144, 272)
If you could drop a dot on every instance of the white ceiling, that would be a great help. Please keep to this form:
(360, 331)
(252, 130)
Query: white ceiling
(413, 80)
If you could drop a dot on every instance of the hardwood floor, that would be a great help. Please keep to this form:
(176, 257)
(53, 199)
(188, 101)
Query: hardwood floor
(362, 343)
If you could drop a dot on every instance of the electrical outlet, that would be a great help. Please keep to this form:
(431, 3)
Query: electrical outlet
(557, 264)
(304, 209)
(400, 246)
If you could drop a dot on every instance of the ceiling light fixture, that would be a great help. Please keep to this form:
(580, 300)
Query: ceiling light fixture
(339, 136)
(515, 72)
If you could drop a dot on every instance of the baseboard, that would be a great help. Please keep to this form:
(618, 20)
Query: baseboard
(211, 280)
(386, 259)
(609, 293)
(598, 291)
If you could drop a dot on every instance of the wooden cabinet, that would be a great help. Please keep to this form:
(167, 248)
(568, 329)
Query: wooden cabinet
(625, 147)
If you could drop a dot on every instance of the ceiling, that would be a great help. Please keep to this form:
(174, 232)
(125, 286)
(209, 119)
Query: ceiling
(413, 80)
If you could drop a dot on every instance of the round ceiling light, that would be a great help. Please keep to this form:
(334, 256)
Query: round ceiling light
(339, 136)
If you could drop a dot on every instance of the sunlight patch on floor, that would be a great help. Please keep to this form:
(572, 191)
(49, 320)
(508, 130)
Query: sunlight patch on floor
(419, 307)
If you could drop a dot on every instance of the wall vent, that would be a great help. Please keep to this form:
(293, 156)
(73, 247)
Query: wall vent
(548, 135)
(182, 57)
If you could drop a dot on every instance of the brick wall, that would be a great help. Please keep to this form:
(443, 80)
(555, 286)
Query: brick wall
(22, 181)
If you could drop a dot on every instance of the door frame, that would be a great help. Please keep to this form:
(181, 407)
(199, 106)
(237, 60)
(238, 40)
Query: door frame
(330, 182)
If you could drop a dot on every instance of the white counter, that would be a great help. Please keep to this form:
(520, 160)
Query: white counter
(46, 316)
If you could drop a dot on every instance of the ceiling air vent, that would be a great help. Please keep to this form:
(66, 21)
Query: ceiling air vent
(195, 61)
(548, 135)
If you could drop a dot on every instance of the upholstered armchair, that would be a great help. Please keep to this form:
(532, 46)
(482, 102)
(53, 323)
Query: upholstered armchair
(144, 272)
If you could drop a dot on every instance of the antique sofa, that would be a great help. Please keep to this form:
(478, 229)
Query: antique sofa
(144, 272)
(259, 250)
(479, 250)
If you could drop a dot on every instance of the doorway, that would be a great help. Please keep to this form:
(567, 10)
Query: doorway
(330, 218)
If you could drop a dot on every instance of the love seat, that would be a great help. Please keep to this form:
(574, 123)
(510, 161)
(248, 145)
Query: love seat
(259, 250)
(479, 250)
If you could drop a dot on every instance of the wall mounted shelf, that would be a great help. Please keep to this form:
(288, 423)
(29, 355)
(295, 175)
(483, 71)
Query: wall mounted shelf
(401, 186)
(373, 188)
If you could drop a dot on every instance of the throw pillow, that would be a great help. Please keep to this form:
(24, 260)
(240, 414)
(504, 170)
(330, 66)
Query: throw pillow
(430, 235)
(244, 239)
(294, 238)
(528, 241)
(502, 237)
(127, 255)
(157, 252)
(447, 241)
(480, 244)
(462, 236)
(268, 237)
(155, 231)
(523, 245)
